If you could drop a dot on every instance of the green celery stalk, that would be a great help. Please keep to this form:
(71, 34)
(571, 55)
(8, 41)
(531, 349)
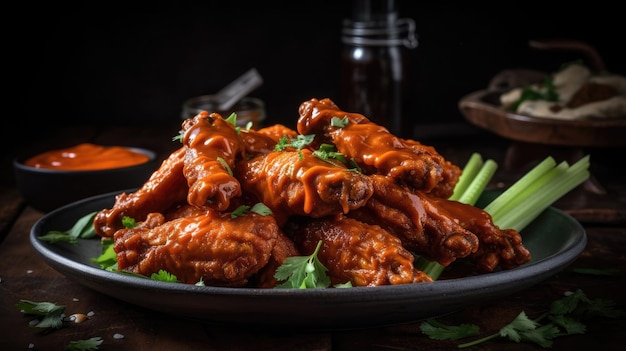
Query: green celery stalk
(522, 194)
(471, 169)
(479, 183)
(549, 191)
(501, 203)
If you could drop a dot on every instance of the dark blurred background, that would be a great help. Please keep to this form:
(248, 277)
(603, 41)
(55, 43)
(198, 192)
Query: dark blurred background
(118, 65)
(107, 64)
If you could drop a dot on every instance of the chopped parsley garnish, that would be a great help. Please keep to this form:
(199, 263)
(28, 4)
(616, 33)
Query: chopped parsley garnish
(129, 222)
(327, 151)
(339, 122)
(299, 142)
(164, 276)
(259, 208)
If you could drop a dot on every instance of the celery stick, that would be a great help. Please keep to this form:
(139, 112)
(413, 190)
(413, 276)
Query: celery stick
(471, 169)
(523, 193)
(545, 196)
(541, 184)
(479, 183)
(498, 204)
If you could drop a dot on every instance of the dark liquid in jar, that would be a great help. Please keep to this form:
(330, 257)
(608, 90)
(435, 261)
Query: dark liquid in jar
(372, 84)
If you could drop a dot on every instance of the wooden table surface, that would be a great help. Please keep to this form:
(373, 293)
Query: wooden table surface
(24, 275)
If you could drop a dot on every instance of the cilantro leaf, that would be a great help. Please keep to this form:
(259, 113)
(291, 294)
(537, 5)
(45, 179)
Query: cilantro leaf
(108, 259)
(439, 331)
(327, 151)
(259, 208)
(39, 308)
(164, 276)
(303, 272)
(299, 142)
(565, 315)
(83, 229)
(520, 324)
(339, 122)
(178, 137)
(240, 211)
(84, 345)
(129, 222)
(51, 314)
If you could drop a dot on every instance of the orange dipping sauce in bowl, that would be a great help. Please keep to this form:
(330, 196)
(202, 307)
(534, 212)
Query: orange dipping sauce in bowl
(87, 157)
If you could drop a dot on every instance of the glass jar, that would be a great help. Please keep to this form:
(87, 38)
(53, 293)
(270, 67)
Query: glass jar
(374, 63)
(248, 109)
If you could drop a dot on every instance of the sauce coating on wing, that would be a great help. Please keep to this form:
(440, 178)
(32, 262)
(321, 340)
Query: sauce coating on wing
(376, 150)
(299, 183)
(356, 252)
(166, 187)
(213, 147)
(219, 250)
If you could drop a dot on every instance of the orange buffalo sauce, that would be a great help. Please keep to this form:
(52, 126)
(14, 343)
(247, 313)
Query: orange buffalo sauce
(87, 156)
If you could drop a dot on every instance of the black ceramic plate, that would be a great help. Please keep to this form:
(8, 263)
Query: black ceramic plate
(554, 239)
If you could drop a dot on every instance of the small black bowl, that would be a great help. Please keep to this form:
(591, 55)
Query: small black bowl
(48, 189)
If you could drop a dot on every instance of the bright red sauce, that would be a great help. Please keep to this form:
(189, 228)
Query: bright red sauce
(87, 156)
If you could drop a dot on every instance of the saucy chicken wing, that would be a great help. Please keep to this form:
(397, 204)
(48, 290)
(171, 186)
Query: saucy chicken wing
(217, 249)
(165, 188)
(300, 183)
(423, 228)
(440, 229)
(356, 252)
(213, 146)
(376, 150)
(278, 131)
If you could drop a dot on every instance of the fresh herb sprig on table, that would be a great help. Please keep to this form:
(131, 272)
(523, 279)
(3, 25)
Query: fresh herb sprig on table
(564, 317)
(52, 316)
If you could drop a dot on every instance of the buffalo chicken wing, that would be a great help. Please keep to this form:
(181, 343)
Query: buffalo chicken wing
(376, 150)
(218, 250)
(356, 252)
(298, 183)
(213, 146)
